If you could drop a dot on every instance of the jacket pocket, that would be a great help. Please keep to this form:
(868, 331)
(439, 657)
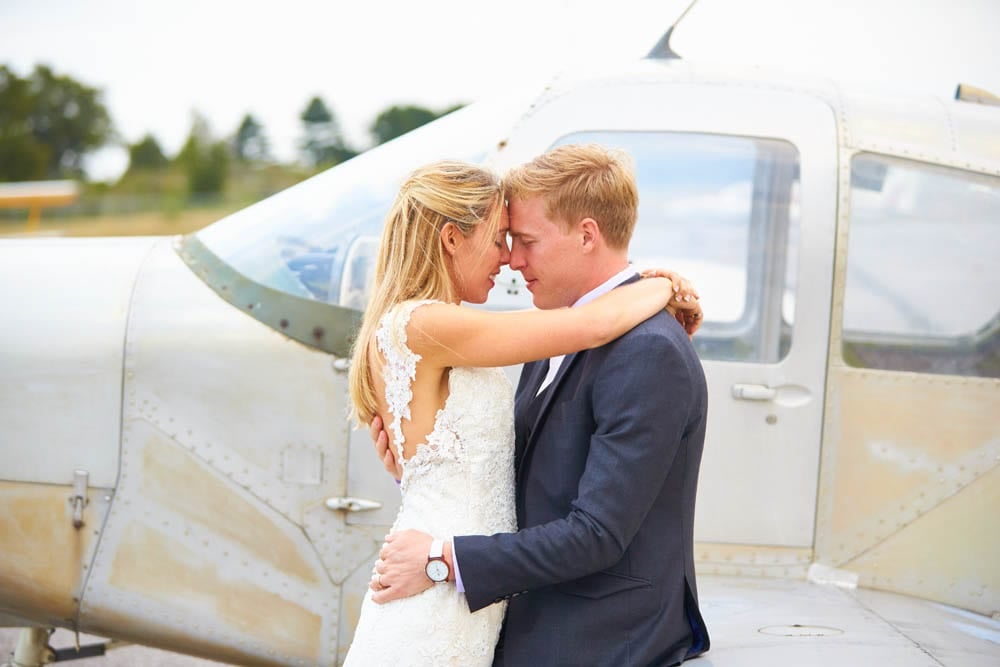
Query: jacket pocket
(601, 585)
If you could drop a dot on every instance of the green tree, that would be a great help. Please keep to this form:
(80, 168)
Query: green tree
(324, 143)
(146, 154)
(204, 160)
(398, 120)
(68, 118)
(250, 143)
(48, 123)
(22, 158)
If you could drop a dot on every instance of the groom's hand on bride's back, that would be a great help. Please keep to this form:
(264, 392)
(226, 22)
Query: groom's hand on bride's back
(382, 448)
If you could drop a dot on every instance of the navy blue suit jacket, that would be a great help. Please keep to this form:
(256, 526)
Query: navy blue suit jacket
(601, 571)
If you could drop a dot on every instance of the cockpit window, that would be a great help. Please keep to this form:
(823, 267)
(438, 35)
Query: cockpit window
(723, 210)
(318, 239)
(923, 283)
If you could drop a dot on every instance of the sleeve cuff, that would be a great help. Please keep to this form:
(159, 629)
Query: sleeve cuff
(458, 573)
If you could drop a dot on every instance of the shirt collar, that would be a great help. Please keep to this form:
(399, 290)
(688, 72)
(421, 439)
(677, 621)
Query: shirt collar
(608, 285)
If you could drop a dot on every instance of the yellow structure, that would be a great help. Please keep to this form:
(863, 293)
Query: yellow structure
(36, 195)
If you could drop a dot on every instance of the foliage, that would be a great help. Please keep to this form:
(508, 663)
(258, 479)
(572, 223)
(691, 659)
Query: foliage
(48, 123)
(21, 156)
(324, 143)
(250, 144)
(203, 159)
(398, 120)
(146, 154)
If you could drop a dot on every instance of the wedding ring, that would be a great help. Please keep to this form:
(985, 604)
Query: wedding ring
(379, 580)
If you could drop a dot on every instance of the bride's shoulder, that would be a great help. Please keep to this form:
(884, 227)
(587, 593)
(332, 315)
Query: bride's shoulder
(403, 320)
(407, 308)
(400, 315)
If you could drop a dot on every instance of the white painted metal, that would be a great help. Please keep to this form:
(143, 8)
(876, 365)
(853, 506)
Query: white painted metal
(217, 538)
(32, 648)
(760, 466)
(783, 622)
(65, 304)
(231, 445)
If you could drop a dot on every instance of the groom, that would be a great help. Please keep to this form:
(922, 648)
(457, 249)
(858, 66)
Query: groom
(608, 446)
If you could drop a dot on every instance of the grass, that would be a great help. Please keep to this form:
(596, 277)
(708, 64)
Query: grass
(151, 223)
(154, 203)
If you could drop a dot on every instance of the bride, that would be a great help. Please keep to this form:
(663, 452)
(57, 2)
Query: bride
(429, 367)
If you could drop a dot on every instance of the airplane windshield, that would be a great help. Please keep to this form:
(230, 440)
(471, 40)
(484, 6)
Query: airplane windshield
(318, 239)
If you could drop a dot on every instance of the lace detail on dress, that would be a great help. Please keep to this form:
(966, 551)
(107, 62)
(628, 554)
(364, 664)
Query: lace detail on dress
(400, 366)
(460, 481)
(399, 373)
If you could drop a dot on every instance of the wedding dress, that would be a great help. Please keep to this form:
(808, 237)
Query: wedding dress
(459, 482)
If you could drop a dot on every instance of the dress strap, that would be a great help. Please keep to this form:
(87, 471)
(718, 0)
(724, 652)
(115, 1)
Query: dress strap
(400, 365)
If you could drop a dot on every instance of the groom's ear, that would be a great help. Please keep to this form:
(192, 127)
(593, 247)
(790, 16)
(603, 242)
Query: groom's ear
(451, 238)
(590, 233)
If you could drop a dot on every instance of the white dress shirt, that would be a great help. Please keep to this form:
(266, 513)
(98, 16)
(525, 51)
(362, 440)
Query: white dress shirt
(605, 287)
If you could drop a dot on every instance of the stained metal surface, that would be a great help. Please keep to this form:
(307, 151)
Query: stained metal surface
(232, 440)
(231, 435)
(752, 560)
(909, 471)
(44, 559)
(911, 485)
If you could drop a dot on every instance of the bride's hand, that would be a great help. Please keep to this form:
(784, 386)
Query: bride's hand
(382, 448)
(685, 305)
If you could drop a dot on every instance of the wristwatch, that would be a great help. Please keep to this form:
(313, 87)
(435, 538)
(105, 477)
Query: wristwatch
(437, 569)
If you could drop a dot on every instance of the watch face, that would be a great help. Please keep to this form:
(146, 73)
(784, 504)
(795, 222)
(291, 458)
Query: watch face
(437, 570)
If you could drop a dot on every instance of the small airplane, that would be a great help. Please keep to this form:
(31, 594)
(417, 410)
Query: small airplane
(177, 468)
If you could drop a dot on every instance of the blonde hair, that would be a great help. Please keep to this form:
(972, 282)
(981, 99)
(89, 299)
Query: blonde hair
(411, 258)
(582, 181)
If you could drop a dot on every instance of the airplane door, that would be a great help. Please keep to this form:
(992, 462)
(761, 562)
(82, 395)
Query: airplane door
(737, 191)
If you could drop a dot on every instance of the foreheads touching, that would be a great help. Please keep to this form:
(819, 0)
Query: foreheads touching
(412, 257)
(580, 181)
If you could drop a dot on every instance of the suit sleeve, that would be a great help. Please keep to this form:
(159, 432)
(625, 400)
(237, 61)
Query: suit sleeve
(641, 402)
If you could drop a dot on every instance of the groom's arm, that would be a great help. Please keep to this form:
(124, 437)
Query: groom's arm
(642, 402)
(641, 410)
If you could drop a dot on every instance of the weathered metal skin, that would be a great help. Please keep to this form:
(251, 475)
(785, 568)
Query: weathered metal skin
(910, 481)
(909, 463)
(213, 440)
(44, 559)
(208, 541)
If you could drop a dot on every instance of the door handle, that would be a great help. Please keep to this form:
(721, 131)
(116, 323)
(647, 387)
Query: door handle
(353, 504)
(754, 392)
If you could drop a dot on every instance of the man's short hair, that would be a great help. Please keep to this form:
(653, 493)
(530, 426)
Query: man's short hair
(582, 181)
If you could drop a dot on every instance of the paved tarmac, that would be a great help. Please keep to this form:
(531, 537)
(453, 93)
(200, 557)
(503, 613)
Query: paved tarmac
(126, 656)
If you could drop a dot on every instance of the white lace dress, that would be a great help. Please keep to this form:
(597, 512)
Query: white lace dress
(459, 482)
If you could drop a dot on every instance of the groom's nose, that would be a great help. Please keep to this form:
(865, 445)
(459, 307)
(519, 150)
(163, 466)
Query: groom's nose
(515, 258)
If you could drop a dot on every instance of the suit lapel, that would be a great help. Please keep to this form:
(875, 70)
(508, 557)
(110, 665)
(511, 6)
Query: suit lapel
(539, 370)
(546, 399)
(533, 375)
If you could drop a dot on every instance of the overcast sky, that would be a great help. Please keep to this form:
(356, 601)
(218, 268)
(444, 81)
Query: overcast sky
(158, 60)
